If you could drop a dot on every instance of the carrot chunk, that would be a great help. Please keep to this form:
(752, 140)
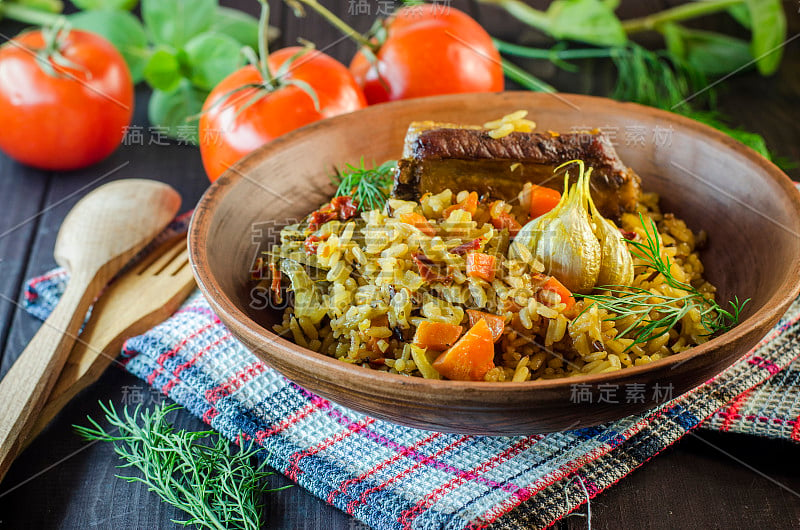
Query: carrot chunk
(471, 357)
(543, 200)
(436, 336)
(470, 204)
(480, 265)
(552, 284)
(416, 220)
(496, 323)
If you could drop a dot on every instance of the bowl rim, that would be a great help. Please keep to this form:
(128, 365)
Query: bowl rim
(227, 309)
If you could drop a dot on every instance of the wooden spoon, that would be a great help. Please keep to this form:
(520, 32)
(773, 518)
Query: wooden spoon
(98, 237)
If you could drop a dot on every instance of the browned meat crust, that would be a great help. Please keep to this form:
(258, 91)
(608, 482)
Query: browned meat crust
(442, 157)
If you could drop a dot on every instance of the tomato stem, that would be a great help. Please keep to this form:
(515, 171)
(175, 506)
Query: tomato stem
(29, 15)
(337, 22)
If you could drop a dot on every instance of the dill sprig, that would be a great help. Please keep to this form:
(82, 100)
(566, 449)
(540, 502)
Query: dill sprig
(369, 188)
(658, 79)
(654, 314)
(195, 471)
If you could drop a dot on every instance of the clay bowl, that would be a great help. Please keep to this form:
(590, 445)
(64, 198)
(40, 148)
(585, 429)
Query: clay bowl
(749, 208)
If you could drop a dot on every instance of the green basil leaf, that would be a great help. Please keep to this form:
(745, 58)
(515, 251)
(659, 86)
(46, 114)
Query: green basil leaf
(237, 24)
(591, 21)
(769, 33)
(123, 30)
(712, 54)
(89, 5)
(175, 22)
(173, 109)
(741, 14)
(163, 71)
(212, 57)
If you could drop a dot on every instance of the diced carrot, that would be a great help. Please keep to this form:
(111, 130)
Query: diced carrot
(480, 265)
(418, 221)
(543, 200)
(506, 220)
(496, 323)
(471, 357)
(552, 284)
(437, 336)
(470, 204)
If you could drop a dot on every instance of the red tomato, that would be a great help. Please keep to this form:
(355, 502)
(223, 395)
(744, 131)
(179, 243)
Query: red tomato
(70, 120)
(430, 50)
(226, 137)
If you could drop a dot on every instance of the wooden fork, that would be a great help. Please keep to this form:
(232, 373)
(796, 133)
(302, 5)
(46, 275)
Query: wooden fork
(140, 298)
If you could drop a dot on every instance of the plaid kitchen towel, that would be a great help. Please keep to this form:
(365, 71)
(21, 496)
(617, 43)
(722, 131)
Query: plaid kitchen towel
(396, 477)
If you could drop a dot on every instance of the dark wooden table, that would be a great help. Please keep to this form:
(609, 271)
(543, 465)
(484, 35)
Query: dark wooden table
(707, 480)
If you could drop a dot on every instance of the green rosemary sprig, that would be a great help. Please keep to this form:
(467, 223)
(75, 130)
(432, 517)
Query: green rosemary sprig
(197, 472)
(369, 188)
(654, 314)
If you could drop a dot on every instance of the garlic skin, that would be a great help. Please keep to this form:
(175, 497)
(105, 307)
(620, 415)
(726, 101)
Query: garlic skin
(616, 265)
(569, 249)
(564, 240)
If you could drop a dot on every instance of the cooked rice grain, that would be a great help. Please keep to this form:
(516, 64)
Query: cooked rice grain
(376, 295)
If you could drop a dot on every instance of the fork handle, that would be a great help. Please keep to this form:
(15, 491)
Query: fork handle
(24, 389)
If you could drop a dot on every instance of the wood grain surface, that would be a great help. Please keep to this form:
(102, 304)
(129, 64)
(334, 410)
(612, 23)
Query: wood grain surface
(706, 480)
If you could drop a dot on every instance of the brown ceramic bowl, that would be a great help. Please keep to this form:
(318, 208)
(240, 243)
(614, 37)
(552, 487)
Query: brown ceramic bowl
(749, 208)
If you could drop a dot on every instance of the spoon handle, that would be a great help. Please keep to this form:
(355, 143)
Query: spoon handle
(26, 386)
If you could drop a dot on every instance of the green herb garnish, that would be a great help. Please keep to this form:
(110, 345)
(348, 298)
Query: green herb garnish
(217, 486)
(679, 77)
(625, 302)
(369, 188)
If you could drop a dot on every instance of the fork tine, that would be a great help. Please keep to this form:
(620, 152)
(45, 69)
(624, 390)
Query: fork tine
(170, 250)
(178, 263)
(151, 258)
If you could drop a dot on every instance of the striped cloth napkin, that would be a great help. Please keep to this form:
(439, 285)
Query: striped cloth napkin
(396, 477)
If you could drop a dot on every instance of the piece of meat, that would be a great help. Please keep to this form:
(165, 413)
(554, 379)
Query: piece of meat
(441, 156)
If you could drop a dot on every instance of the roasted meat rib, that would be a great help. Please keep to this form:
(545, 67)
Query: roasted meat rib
(439, 156)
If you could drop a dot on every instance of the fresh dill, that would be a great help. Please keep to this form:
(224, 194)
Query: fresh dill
(197, 472)
(369, 188)
(658, 79)
(654, 314)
